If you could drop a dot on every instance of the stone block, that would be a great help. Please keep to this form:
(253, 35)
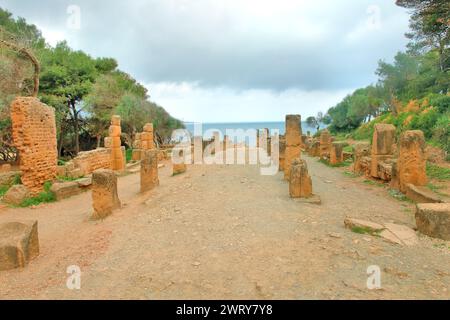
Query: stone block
(19, 244)
(149, 170)
(433, 219)
(300, 184)
(411, 164)
(64, 190)
(16, 195)
(105, 198)
(383, 139)
(360, 150)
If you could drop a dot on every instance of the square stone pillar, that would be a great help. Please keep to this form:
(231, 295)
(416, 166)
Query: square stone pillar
(411, 164)
(149, 170)
(382, 145)
(300, 184)
(105, 198)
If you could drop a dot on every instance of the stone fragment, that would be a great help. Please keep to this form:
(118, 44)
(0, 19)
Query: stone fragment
(370, 226)
(360, 150)
(105, 198)
(300, 184)
(149, 170)
(64, 190)
(421, 194)
(433, 219)
(16, 195)
(411, 164)
(19, 244)
(337, 152)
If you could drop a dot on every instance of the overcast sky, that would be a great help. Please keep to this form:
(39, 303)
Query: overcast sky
(232, 60)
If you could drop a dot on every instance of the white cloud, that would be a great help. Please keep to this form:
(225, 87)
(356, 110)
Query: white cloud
(192, 103)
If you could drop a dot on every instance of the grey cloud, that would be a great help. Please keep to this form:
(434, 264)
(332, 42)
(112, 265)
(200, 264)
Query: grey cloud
(166, 41)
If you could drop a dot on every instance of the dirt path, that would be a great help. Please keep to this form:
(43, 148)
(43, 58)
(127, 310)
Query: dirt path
(227, 232)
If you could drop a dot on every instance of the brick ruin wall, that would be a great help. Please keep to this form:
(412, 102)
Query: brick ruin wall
(34, 135)
(93, 160)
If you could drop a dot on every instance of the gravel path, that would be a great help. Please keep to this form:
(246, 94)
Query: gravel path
(226, 232)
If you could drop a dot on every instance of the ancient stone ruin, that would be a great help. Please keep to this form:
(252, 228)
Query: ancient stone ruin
(325, 144)
(86, 162)
(105, 198)
(149, 170)
(293, 142)
(300, 184)
(382, 151)
(361, 157)
(411, 163)
(117, 156)
(34, 135)
(19, 243)
(433, 219)
(337, 153)
(282, 144)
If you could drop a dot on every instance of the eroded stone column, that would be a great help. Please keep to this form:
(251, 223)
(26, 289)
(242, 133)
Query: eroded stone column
(325, 144)
(34, 135)
(337, 153)
(282, 152)
(149, 170)
(360, 150)
(178, 163)
(105, 198)
(293, 142)
(115, 131)
(411, 164)
(382, 146)
(300, 183)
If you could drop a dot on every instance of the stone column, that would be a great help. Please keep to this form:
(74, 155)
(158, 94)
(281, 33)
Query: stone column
(34, 135)
(147, 137)
(198, 150)
(325, 144)
(337, 153)
(411, 164)
(360, 150)
(300, 184)
(115, 131)
(149, 170)
(105, 198)
(282, 152)
(382, 145)
(293, 142)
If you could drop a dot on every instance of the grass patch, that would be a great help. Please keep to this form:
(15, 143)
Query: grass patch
(17, 180)
(436, 172)
(398, 195)
(348, 149)
(339, 165)
(352, 174)
(374, 183)
(67, 179)
(436, 189)
(44, 197)
(366, 230)
(3, 190)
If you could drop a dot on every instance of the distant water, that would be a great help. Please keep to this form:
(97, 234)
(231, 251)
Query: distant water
(208, 128)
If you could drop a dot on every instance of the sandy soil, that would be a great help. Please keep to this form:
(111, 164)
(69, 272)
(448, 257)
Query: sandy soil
(226, 232)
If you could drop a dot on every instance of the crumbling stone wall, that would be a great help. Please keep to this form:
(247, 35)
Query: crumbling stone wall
(34, 135)
(293, 142)
(90, 161)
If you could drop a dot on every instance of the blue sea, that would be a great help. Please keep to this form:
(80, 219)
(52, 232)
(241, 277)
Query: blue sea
(209, 128)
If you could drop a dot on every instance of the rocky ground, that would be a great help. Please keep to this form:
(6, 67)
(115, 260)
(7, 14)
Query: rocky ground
(226, 232)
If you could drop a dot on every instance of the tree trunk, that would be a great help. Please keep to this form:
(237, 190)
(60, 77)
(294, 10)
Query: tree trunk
(76, 126)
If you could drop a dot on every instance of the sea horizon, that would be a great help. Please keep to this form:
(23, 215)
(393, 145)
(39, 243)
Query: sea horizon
(273, 126)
